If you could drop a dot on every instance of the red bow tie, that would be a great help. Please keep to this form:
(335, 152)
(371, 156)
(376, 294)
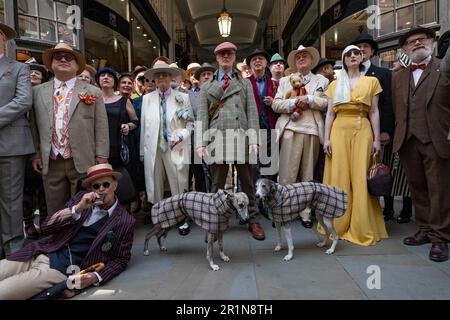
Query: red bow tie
(422, 66)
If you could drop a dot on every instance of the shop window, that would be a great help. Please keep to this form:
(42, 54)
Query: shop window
(403, 14)
(45, 20)
(2, 11)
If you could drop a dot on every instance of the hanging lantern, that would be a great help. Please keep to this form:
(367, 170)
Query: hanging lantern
(224, 21)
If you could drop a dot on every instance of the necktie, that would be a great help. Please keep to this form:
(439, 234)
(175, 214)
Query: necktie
(60, 93)
(226, 82)
(422, 66)
(163, 142)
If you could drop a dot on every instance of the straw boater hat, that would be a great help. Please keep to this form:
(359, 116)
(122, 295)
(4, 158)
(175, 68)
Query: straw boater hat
(158, 68)
(99, 171)
(7, 31)
(311, 50)
(47, 56)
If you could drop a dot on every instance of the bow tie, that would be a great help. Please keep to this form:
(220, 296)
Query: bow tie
(422, 66)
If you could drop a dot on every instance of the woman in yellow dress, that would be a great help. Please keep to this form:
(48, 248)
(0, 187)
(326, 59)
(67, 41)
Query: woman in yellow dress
(352, 138)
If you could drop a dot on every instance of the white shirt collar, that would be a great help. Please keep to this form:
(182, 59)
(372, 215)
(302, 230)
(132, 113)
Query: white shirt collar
(110, 210)
(69, 84)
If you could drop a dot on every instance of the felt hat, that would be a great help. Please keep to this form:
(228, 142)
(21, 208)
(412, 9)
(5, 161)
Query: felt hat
(277, 57)
(366, 38)
(100, 171)
(322, 62)
(47, 56)
(258, 52)
(415, 30)
(205, 67)
(110, 71)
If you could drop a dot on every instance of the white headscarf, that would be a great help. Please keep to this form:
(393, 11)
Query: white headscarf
(342, 90)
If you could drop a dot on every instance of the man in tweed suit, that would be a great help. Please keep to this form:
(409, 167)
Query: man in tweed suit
(227, 107)
(15, 144)
(81, 235)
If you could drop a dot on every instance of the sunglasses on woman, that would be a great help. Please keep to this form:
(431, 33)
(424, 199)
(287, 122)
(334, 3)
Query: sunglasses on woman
(96, 186)
(356, 52)
(67, 56)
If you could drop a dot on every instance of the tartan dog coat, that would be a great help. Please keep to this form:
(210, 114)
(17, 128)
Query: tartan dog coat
(210, 211)
(288, 201)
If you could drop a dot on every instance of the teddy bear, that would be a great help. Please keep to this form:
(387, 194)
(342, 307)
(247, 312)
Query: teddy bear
(298, 89)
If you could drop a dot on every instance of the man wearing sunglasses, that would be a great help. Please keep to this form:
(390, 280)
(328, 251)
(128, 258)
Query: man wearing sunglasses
(70, 131)
(92, 228)
(15, 143)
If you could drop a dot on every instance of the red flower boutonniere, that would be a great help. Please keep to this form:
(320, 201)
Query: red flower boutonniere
(87, 99)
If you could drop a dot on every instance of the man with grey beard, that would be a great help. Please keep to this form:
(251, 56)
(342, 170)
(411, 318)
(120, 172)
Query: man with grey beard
(421, 95)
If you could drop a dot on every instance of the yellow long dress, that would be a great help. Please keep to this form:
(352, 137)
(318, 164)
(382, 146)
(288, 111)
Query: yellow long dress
(351, 141)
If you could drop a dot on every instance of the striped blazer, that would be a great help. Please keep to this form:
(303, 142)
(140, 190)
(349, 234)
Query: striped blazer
(290, 200)
(210, 211)
(61, 228)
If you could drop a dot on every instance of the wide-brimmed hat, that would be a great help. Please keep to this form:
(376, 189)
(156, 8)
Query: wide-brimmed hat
(98, 171)
(258, 52)
(311, 50)
(47, 56)
(159, 68)
(91, 70)
(205, 67)
(415, 30)
(442, 46)
(8, 31)
(322, 62)
(110, 71)
(366, 38)
(277, 57)
(225, 46)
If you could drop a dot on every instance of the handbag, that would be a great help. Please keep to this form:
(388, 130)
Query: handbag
(379, 179)
(124, 151)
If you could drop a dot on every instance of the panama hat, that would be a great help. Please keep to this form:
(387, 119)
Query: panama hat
(8, 31)
(160, 68)
(99, 171)
(311, 50)
(47, 56)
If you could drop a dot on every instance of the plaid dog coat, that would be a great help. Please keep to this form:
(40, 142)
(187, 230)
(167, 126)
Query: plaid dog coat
(290, 200)
(210, 211)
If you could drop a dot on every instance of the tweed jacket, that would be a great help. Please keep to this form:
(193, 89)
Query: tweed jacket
(385, 108)
(88, 125)
(15, 102)
(316, 87)
(210, 211)
(61, 228)
(436, 85)
(291, 199)
(238, 114)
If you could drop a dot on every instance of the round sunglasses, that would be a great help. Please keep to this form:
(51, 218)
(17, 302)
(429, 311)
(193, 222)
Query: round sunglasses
(97, 185)
(67, 56)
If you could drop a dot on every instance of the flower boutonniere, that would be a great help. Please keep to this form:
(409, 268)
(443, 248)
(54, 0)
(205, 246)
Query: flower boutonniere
(87, 99)
(179, 100)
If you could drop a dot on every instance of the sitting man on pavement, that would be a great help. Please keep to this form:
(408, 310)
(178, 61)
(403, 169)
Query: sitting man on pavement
(93, 228)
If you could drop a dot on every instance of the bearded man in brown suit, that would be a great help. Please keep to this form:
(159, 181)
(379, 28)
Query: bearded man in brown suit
(422, 118)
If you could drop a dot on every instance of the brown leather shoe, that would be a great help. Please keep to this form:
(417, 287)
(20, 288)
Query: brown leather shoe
(257, 231)
(418, 239)
(439, 252)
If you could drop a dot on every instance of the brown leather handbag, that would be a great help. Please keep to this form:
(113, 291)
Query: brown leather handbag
(379, 179)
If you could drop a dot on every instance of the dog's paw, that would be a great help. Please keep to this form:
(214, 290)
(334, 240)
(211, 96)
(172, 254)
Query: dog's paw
(146, 253)
(224, 257)
(215, 267)
(288, 257)
(329, 251)
(321, 244)
(277, 248)
(163, 249)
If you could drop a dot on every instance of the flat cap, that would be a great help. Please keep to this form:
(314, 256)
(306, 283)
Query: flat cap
(225, 46)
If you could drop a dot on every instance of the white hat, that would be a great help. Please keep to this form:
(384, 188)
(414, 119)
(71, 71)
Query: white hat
(311, 50)
(160, 68)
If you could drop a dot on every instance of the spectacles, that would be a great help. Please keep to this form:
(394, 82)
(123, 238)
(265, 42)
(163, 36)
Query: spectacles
(225, 53)
(97, 185)
(353, 51)
(422, 40)
(67, 56)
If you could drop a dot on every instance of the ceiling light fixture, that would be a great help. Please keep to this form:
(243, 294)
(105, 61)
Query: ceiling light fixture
(224, 21)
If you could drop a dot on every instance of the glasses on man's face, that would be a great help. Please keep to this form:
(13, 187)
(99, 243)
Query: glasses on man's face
(422, 40)
(97, 186)
(67, 56)
(353, 51)
(225, 53)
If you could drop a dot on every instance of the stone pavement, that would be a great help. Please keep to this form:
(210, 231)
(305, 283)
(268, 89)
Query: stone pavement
(257, 272)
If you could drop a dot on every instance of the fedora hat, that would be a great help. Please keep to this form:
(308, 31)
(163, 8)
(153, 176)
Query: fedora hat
(160, 68)
(205, 67)
(258, 52)
(311, 50)
(366, 38)
(322, 62)
(415, 30)
(8, 31)
(47, 56)
(34, 65)
(99, 171)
